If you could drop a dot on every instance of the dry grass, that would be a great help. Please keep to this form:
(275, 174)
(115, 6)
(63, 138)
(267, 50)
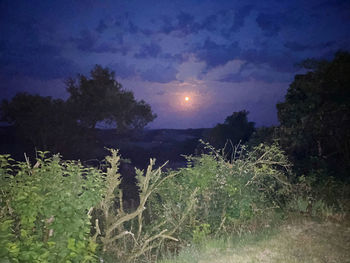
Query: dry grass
(299, 240)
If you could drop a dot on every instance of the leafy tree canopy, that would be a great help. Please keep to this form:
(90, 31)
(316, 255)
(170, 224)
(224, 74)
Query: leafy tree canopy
(101, 98)
(315, 117)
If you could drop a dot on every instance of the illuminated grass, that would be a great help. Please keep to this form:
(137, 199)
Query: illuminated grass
(301, 240)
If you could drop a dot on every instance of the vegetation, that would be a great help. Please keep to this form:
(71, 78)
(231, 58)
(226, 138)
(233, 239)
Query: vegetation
(102, 98)
(236, 129)
(62, 212)
(315, 117)
(45, 210)
(67, 126)
(227, 202)
(42, 122)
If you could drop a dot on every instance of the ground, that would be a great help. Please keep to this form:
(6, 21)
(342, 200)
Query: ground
(296, 241)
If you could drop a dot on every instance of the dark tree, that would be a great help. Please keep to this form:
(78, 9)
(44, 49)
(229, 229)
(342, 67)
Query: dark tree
(101, 98)
(236, 129)
(266, 135)
(315, 117)
(42, 122)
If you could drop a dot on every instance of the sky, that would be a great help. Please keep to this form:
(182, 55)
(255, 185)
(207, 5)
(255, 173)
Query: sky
(225, 56)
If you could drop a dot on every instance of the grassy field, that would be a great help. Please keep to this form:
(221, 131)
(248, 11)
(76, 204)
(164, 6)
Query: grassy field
(298, 240)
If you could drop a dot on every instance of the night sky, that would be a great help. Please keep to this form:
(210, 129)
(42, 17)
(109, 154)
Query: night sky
(225, 56)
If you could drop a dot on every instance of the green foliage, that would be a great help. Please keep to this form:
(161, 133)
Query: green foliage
(45, 210)
(126, 235)
(319, 196)
(200, 233)
(315, 117)
(102, 98)
(230, 196)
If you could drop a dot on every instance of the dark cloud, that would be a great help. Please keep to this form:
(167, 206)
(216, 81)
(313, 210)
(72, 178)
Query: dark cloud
(166, 26)
(280, 62)
(184, 24)
(159, 73)
(215, 54)
(226, 21)
(132, 28)
(210, 23)
(106, 47)
(123, 70)
(174, 57)
(88, 41)
(149, 51)
(269, 23)
(101, 26)
(298, 47)
(38, 65)
(27, 50)
(121, 23)
(240, 14)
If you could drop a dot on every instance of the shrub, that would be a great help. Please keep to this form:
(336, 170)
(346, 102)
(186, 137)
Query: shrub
(230, 195)
(45, 208)
(128, 235)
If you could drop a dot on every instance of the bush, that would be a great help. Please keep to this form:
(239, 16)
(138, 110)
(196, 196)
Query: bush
(229, 195)
(45, 208)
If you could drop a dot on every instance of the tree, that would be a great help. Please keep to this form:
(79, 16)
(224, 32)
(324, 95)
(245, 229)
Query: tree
(236, 129)
(44, 122)
(315, 117)
(102, 98)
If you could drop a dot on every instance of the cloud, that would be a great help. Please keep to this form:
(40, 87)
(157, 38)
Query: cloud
(101, 26)
(239, 17)
(186, 23)
(123, 70)
(179, 58)
(190, 69)
(36, 57)
(278, 61)
(269, 23)
(149, 51)
(167, 26)
(132, 28)
(86, 41)
(183, 25)
(210, 23)
(222, 72)
(89, 41)
(298, 47)
(216, 54)
(159, 73)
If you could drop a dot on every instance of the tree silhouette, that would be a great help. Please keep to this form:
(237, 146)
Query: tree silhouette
(235, 129)
(42, 121)
(101, 98)
(315, 117)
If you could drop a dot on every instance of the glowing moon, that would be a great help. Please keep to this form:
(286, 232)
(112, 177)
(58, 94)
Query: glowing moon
(187, 98)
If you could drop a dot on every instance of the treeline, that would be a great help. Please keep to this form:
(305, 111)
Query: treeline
(314, 121)
(68, 126)
(314, 118)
